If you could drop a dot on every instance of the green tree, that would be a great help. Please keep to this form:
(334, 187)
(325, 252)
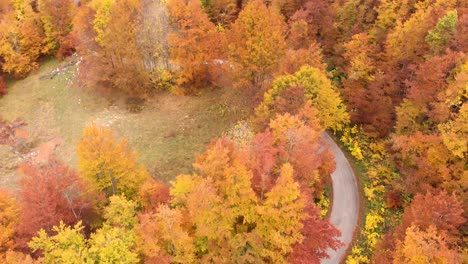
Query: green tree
(443, 32)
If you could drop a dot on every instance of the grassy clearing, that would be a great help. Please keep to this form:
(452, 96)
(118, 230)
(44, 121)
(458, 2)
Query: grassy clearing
(167, 133)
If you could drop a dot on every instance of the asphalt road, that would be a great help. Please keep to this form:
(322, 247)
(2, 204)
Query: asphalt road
(345, 209)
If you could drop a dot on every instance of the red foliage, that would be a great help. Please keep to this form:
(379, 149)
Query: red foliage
(261, 160)
(393, 199)
(320, 25)
(290, 100)
(428, 88)
(3, 87)
(313, 164)
(441, 210)
(152, 194)
(425, 163)
(319, 236)
(49, 194)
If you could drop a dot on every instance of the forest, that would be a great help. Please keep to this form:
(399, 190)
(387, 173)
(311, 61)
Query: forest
(192, 131)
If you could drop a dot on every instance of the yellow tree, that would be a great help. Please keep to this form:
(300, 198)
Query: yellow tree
(257, 43)
(9, 217)
(455, 133)
(109, 164)
(425, 247)
(317, 89)
(281, 221)
(67, 245)
(57, 18)
(115, 242)
(21, 39)
(407, 42)
(218, 218)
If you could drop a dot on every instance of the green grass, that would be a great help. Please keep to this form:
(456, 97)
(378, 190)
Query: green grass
(167, 133)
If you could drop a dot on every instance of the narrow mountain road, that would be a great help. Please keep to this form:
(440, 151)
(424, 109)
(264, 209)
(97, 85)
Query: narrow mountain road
(345, 208)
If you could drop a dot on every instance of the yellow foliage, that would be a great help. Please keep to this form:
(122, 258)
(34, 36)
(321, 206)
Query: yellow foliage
(373, 221)
(109, 165)
(356, 257)
(9, 213)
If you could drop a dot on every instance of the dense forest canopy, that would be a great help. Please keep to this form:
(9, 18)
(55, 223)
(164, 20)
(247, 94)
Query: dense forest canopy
(388, 78)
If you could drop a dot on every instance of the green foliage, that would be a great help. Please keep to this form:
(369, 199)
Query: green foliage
(443, 32)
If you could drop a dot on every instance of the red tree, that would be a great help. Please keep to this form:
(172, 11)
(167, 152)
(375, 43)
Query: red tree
(262, 157)
(319, 235)
(441, 210)
(49, 194)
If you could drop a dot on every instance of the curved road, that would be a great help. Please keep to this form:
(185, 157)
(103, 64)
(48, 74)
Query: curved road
(345, 209)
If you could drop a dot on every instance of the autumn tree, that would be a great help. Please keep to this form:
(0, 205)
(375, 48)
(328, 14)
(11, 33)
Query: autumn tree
(443, 31)
(353, 16)
(49, 194)
(57, 20)
(317, 89)
(454, 133)
(119, 60)
(152, 40)
(217, 216)
(407, 42)
(196, 47)
(300, 145)
(316, 23)
(261, 158)
(428, 246)
(222, 12)
(281, 206)
(108, 164)
(114, 242)
(21, 39)
(9, 218)
(294, 59)
(116, 52)
(319, 237)
(425, 163)
(443, 211)
(152, 193)
(67, 245)
(257, 43)
(428, 89)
